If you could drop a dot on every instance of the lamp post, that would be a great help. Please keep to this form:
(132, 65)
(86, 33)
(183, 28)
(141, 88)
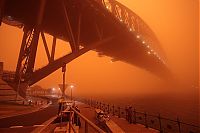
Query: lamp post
(63, 70)
(71, 87)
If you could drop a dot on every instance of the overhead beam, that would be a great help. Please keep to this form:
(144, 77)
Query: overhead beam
(53, 66)
(68, 27)
(99, 32)
(53, 49)
(78, 31)
(46, 46)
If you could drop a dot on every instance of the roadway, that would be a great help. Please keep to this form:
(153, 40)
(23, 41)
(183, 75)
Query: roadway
(28, 122)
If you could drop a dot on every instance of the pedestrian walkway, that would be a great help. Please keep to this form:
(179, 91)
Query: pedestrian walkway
(132, 128)
(89, 112)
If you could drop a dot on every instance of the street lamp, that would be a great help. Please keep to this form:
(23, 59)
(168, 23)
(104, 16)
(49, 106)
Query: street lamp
(71, 86)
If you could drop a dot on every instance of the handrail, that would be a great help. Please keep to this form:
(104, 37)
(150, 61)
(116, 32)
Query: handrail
(88, 121)
(148, 120)
(70, 122)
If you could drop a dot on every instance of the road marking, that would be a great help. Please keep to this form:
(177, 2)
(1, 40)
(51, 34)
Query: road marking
(16, 126)
(38, 125)
(46, 124)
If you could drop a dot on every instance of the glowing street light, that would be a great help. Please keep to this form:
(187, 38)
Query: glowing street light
(53, 90)
(71, 87)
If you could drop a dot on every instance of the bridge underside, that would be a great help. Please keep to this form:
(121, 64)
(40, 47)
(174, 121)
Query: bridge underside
(86, 25)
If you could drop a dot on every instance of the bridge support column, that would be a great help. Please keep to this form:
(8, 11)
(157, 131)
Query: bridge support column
(27, 55)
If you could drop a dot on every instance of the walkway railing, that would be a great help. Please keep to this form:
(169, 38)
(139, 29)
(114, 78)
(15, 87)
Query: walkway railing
(164, 125)
(86, 121)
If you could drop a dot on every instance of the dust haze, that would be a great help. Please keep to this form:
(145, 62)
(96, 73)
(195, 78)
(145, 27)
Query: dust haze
(176, 24)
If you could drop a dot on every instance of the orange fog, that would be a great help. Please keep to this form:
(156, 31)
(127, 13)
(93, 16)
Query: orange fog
(176, 24)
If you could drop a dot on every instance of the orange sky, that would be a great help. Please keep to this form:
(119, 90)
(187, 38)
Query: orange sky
(175, 23)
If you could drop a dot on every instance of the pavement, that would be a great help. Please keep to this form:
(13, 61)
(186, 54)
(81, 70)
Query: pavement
(35, 121)
(132, 128)
(26, 123)
(89, 112)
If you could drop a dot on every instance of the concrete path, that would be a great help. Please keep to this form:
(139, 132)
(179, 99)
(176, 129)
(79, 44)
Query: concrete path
(89, 112)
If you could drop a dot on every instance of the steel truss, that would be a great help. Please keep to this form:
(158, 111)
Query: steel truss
(25, 74)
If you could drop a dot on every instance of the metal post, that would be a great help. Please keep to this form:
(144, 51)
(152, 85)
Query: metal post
(61, 114)
(119, 112)
(145, 116)
(108, 108)
(63, 70)
(134, 116)
(86, 127)
(71, 93)
(70, 120)
(113, 110)
(160, 124)
(179, 125)
(91, 102)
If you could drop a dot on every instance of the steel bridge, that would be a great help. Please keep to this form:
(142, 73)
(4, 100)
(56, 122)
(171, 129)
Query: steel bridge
(105, 26)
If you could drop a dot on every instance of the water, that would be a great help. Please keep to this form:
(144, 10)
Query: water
(185, 107)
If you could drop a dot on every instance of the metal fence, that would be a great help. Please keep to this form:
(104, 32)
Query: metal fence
(164, 125)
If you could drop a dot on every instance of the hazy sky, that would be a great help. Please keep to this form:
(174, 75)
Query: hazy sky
(175, 23)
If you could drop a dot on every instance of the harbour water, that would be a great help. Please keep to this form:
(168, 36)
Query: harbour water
(185, 107)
